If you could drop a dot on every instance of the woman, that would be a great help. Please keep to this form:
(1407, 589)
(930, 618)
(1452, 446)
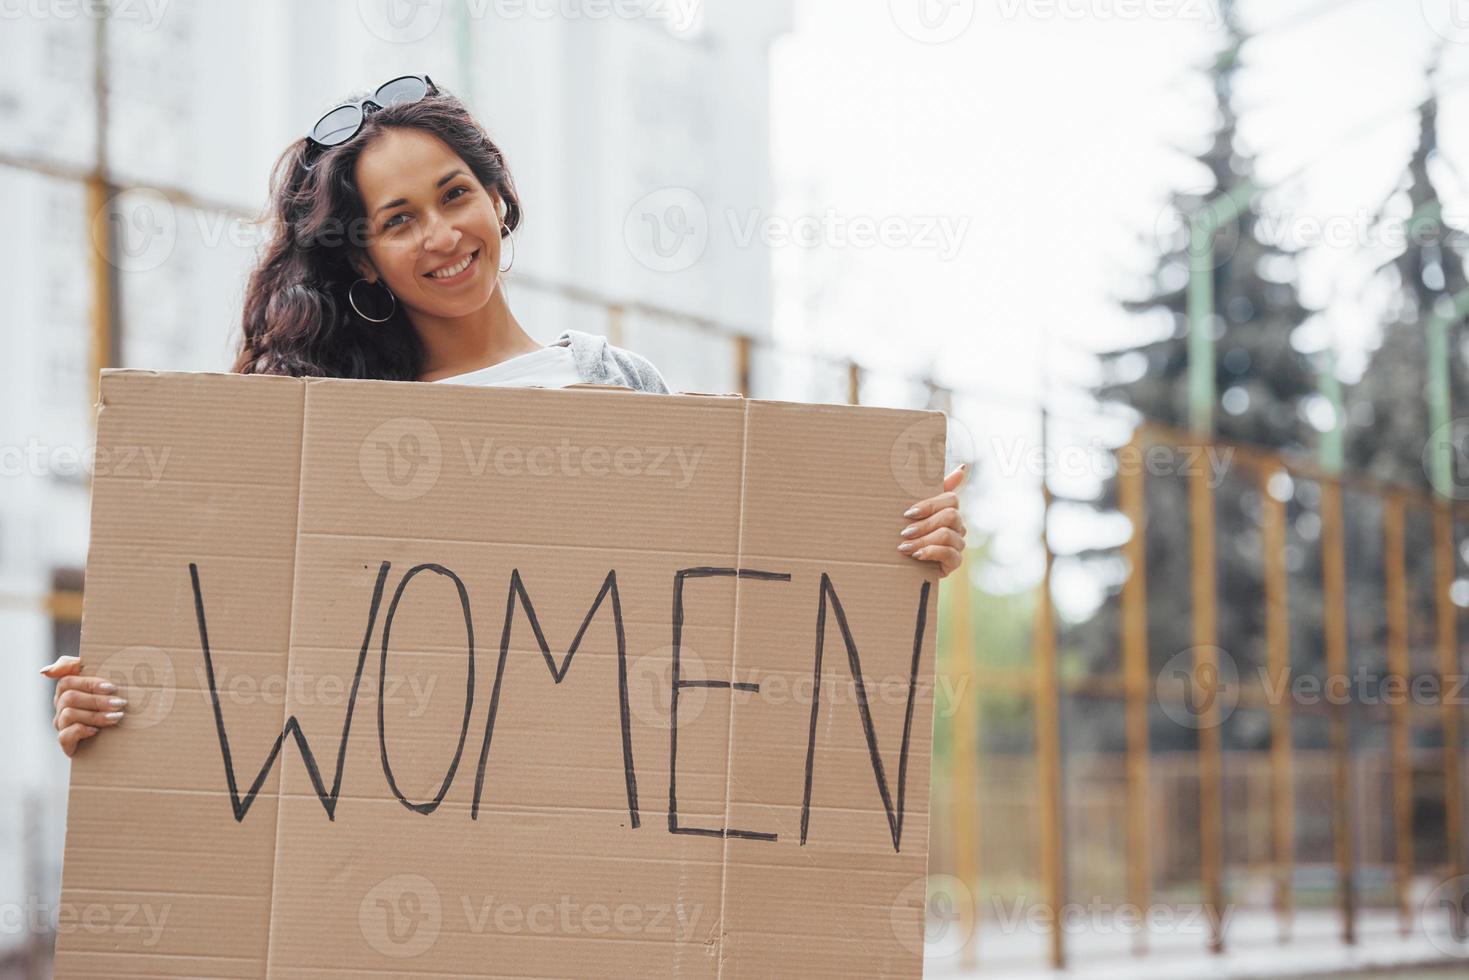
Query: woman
(385, 263)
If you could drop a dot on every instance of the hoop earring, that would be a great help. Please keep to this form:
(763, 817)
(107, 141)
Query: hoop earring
(352, 299)
(509, 237)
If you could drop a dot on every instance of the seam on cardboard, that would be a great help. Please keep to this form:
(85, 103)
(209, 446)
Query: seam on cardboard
(734, 648)
(280, 810)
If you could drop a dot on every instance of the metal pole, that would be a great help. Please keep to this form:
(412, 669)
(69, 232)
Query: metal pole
(102, 349)
(1277, 639)
(1397, 666)
(1131, 488)
(964, 734)
(1448, 668)
(1206, 666)
(1334, 624)
(1204, 226)
(1048, 738)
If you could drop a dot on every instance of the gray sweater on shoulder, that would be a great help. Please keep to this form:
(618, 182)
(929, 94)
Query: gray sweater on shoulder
(598, 362)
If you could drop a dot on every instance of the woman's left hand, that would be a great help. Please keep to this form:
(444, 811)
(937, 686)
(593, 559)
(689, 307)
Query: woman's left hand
(937, 531)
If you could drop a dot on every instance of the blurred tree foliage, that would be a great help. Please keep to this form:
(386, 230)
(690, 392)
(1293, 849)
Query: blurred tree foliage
(1267, 393)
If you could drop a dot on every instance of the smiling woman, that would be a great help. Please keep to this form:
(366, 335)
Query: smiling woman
(385, 263)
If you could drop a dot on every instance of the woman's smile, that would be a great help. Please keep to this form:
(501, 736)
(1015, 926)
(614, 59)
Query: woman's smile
(456, 271)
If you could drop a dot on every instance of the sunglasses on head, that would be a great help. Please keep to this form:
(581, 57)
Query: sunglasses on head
(339, 125)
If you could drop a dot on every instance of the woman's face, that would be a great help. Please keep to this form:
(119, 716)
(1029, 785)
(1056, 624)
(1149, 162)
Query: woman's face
(426, 214)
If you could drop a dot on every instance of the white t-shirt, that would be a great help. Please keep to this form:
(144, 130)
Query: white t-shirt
(549, 367)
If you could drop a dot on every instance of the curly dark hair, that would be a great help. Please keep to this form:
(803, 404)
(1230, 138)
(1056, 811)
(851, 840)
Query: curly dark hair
(297, 320)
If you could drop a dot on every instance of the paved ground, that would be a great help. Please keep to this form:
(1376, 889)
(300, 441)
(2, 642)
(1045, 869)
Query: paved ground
(1099, 950)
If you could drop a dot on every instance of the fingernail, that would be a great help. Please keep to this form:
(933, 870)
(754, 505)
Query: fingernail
(906, 547)
(59, 662)
(908, 531)
(920, 552)
(117, 702)
(107, 687)
(911, 511)
(114, 716)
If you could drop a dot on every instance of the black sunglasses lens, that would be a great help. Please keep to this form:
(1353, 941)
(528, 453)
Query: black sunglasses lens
(337, 126)
(405, 89)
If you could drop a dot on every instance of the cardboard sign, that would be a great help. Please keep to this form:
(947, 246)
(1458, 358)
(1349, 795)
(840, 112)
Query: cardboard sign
(428, 679)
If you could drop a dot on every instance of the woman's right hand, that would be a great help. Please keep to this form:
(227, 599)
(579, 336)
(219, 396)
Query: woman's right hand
(84, 705)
